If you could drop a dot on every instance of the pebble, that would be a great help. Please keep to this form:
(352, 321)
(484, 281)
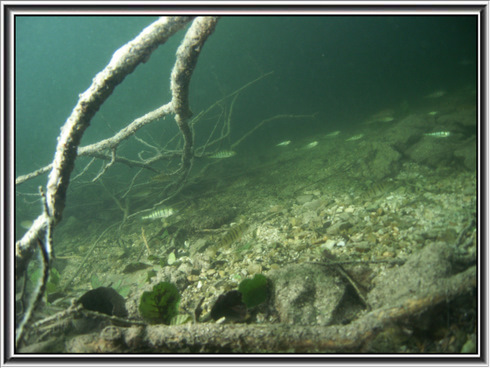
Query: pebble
(254, 268)
(329, 244)
(302, 199)
(362, 247)
(192, 278)
(313, 205)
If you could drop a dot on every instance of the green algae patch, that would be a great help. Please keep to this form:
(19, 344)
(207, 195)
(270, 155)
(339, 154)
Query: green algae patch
(254, 291)
(161, 304)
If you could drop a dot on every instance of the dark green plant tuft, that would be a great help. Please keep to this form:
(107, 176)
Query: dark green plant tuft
(161, 304)
(254, 291)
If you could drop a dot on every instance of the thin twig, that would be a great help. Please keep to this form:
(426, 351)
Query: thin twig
(144, 240)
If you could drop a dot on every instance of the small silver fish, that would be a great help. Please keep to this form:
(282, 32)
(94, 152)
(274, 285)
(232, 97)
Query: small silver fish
(432, 113)
(355, 137)
(436, 94)
(223, 154)
(386, 119)
(285, 143)
(438, 134)
(333, 134)
(311, 145)
(159, 214)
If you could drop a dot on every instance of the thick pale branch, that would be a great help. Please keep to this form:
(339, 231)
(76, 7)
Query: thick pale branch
(123, 62)
(96, 149)
(187, 55)
(282, 338)
(127, 132)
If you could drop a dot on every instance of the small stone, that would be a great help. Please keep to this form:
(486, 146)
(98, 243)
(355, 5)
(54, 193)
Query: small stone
(362, 247)
(192, 278)
(329, 244)
(371, 238)
(111, 333)
(254, 268)
(302, 199)
(313, 205)
(388, 254)
(341, 243)
(356, 237)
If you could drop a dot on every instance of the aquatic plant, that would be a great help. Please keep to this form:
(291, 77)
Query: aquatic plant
(161, 304)
(254, 291)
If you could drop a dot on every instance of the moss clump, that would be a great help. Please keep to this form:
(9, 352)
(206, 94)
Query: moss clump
(254, 291)
(161, 304)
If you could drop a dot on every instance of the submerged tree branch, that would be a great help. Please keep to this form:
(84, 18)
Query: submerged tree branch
(187, 55)
(123, 62)
(356, 336)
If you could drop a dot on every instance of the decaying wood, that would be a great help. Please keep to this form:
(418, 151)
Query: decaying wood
(276, 338)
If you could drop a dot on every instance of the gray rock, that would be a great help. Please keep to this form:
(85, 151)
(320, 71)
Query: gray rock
(313, 205)
(302, 199)
(423, 271)
(468, 155)
(433, 152)
(306, 294)
(385, 163)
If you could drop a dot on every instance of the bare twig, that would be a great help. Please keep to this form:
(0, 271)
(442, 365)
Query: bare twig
(84, 169)
(79, 272)
(104, 169)
(132, 183)
(268, 120)
(144, 240)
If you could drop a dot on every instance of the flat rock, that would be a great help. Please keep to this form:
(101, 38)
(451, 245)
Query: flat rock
(306, 294)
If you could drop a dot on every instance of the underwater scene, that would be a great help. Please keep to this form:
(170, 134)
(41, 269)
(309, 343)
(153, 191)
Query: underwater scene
(329, 204)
